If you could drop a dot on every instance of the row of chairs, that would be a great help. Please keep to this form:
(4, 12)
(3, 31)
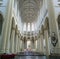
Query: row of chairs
(7, 56)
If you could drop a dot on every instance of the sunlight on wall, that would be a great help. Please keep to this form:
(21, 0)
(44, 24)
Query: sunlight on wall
(28, 26)
(36, 43)
(24, 27)
(28, 44)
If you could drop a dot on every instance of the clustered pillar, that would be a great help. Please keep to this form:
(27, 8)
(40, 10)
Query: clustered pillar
(38, 45)
(53, 26)
(12, 38)
(16, 40)
(41, 41)
(46, 42)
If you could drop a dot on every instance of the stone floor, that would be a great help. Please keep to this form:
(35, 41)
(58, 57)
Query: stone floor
(34, 55)
(30, 57)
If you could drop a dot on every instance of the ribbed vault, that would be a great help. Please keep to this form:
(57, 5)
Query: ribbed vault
(29, 10)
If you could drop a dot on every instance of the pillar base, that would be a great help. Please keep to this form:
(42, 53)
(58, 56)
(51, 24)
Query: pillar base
(7, 51)
(2, 52)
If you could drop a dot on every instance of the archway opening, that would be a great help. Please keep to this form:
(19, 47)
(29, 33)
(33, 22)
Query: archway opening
(46, 36)
(28, 44)
(58, 22)
(1, 23)
(47, 21)
(12, 26)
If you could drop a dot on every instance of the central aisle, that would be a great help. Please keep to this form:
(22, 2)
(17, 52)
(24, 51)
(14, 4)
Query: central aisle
(30, 57)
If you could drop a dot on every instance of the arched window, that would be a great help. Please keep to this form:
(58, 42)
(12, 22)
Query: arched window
(28, 26)
(32, 27)
(59, 22)
(24, 27)
(1, 22)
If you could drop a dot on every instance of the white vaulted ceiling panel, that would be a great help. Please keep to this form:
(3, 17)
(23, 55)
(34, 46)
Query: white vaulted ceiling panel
(29, 10)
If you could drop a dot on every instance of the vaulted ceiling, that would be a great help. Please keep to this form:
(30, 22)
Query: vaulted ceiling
(29, 9)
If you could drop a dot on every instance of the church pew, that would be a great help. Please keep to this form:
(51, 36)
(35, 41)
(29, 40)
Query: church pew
(8, 56)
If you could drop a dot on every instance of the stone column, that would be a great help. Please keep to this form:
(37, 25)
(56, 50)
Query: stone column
(38, 44)
(41, 44)
(16, 40)
(5, 27)
(35, 44)
(22, 45)
(18, 45)
(47, 42)
(26, 28)
(9, 29)
(53, 24)
(25, 44)
(12, 37)
(32, 44)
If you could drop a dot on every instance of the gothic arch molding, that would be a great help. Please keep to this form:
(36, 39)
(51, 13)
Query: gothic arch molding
(1, 22)
(58, 21)
(47, 24)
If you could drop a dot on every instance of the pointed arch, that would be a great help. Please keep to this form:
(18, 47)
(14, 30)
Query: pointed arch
(58, 20)
(47, 24)
(12, 26)
(1, 22)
